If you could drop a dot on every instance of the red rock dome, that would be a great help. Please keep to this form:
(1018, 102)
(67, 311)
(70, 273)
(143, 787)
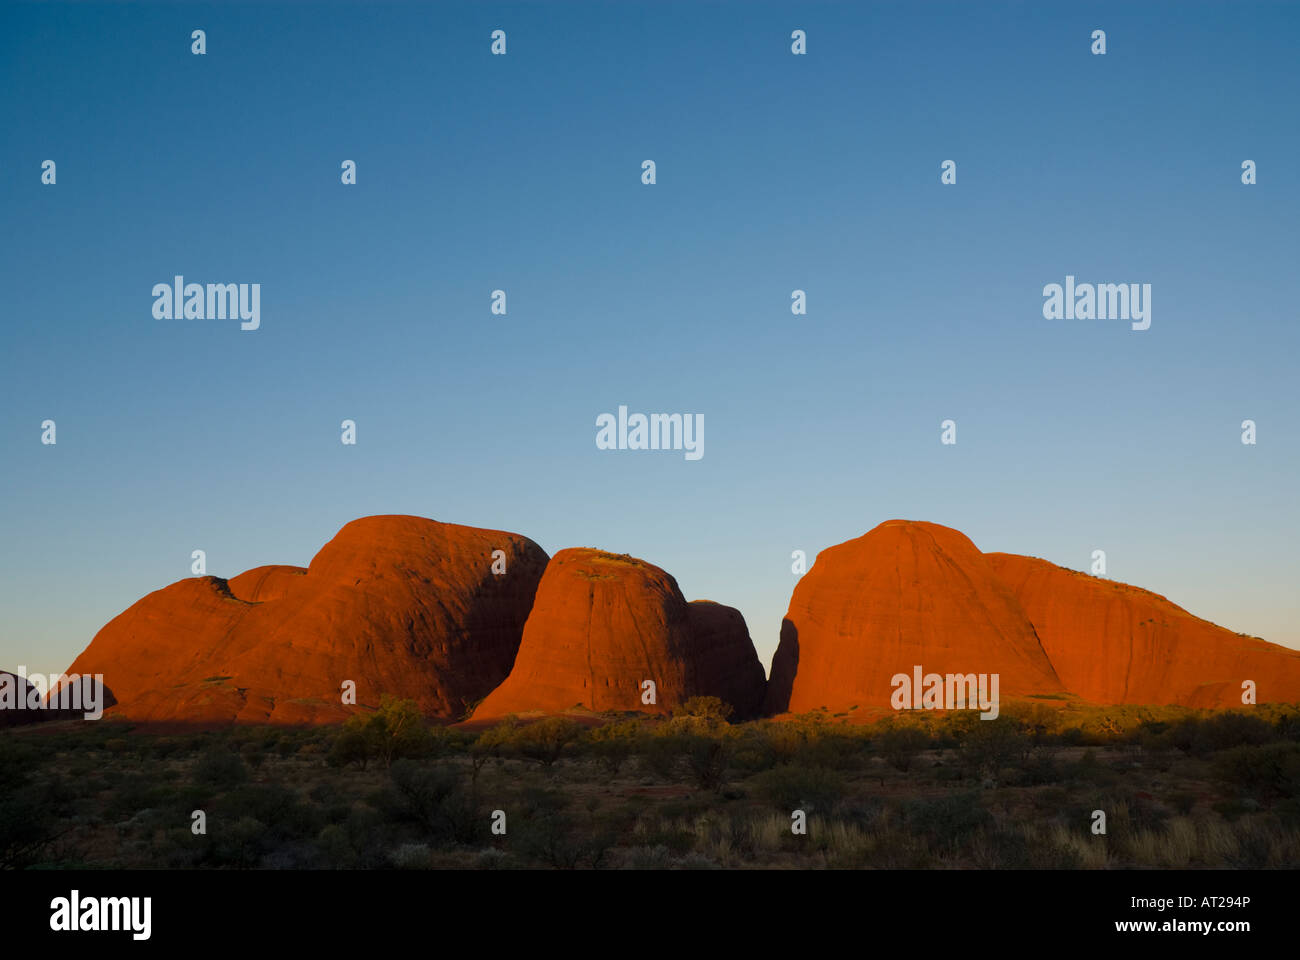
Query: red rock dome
(907, 593)
(604, 623)
(399, 605)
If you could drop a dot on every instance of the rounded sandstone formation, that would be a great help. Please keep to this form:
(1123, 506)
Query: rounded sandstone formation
(265, 583)
(1114, 643)
(398, 605)
(904, 595)
(603, 624)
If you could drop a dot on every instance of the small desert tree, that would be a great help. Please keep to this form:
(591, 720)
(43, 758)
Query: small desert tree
(901, 744)
(544, 741)
(708, 755)
(353, 745)
(993, 744)
(400, 730)
(491, 743)
(613, 743)
(397, 729)
(699, 715)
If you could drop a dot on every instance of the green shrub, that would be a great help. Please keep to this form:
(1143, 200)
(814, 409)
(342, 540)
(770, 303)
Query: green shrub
(948, 821)
(795, 787)
(220, 769)
(548, 834)
(282, 813)
(707, 758)
(240, 843)
(662, 756)
(901, 744)
(991, 745)
(396, 730)
(1220, 731)
(252, 754)
(545, 740)
(136, 792)
(434, 798)
(1267, 771)
(710, 708)
(613, 743)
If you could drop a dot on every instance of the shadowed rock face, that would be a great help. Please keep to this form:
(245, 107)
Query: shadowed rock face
(723, 662)
(904, 594)
(603, 623)
(1113, 643)
(397, 604)
(14, 690)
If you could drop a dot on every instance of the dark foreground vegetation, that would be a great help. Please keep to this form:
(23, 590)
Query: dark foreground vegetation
(1178, 788)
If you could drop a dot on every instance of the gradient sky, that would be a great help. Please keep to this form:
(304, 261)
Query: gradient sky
(522, 172)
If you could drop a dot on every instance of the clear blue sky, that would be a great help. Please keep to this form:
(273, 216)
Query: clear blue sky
(522, 172)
